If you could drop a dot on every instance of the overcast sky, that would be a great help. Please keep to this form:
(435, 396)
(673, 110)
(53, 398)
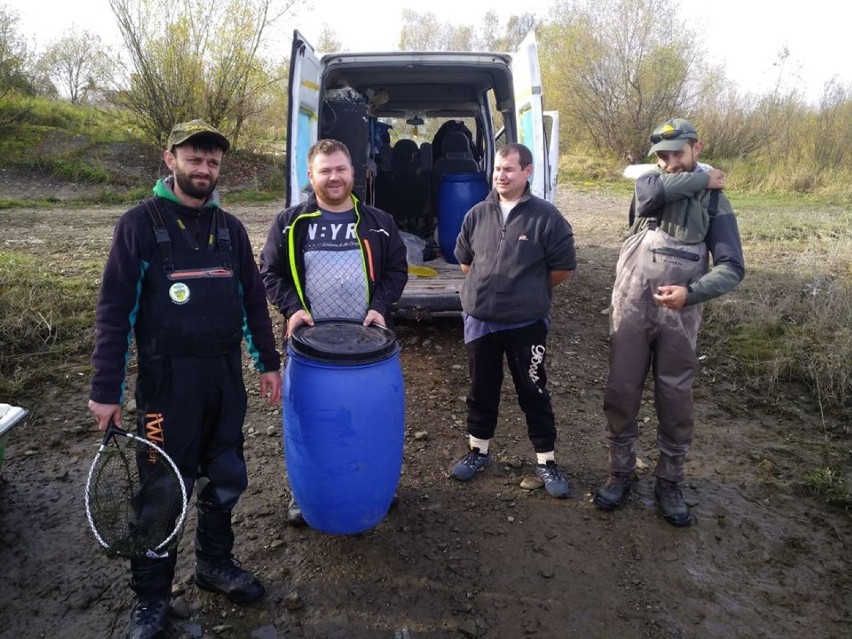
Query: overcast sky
(746, 36)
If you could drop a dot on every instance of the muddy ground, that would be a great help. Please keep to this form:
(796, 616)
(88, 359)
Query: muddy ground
(483, 559)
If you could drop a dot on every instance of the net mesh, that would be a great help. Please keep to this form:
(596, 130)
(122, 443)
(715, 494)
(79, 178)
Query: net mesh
(135, 499)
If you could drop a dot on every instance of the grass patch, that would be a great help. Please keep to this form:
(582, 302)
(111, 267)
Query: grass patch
(46, 323)
(252, 196)
(44, 114)
(588, 173)
(789, 319)
(826, 484)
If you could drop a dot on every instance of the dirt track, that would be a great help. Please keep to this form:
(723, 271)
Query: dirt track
(485, 559)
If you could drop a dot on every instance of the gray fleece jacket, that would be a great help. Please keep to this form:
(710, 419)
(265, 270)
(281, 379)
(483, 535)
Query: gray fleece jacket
(510, 264)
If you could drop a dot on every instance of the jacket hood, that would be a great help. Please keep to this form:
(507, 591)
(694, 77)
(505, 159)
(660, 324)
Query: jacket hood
(165, 188)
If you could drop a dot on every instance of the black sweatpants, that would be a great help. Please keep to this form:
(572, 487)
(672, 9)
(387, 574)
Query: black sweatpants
(524, 349)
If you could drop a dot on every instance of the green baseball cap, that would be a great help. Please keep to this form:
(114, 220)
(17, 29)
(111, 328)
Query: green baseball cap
(186, 130)
(672, 135)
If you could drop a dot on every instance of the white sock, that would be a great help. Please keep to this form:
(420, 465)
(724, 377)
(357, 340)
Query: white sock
(481, 444)
(543, 458)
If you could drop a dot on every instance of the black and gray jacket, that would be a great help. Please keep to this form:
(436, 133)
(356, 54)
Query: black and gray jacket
(383, 252)
(199, 305)
(510, 265)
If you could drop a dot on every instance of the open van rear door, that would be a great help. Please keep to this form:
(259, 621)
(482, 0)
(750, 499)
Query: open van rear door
(526, 75)
(303, 115)
(551, 135)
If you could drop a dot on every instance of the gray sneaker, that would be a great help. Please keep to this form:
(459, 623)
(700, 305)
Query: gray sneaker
(294, 515)
(672, 505)
(554, 483)
(613, 493)
(472, 463)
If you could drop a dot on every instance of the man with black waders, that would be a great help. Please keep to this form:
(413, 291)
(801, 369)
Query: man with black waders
(662, 279)
(181, 278)
(513, 248)
(332, 256)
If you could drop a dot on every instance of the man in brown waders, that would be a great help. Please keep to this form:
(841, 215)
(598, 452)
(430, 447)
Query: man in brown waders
(662, 279)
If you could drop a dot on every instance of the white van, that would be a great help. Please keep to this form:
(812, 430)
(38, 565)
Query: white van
(422, 128)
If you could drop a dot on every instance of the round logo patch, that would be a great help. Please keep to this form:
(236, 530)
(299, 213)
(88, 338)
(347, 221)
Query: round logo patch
(179, 292)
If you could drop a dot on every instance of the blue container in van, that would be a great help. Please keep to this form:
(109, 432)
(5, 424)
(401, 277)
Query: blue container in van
(457, 193)
(344, 421)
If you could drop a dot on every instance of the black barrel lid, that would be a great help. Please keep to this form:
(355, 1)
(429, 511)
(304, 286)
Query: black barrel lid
(344, 341)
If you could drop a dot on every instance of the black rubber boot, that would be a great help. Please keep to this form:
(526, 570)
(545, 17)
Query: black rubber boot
(152, 578)
(226, 577)
(672, 505)
(149, 619)
(613, 493)
(215, 568)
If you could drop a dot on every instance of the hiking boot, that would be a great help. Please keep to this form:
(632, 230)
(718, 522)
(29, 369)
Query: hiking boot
(226, 577)
(612, 494)
(554, 483)
(472, 463)
(294, 515)
(148, 619)
(672, 506)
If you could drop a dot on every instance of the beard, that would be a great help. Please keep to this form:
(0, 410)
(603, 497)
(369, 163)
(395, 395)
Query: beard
(324, 194)
(186, 185)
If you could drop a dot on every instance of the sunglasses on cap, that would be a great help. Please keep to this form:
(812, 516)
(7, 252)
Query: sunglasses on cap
(672, 134)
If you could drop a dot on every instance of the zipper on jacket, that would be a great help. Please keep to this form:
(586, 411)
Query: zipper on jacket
(291, 244)
(673, 252)
(366, 253)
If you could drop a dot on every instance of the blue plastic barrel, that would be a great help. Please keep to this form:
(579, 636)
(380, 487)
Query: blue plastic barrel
(457, 193)
(344, 421)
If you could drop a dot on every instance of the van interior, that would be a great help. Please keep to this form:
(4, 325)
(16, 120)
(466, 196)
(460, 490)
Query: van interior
(422, 128)
(407, 127)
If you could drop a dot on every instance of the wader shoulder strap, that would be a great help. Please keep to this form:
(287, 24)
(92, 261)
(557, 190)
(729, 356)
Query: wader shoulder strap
(712, 210)
(653, 222)
(713, 207)
(161, 233)
(223, 239)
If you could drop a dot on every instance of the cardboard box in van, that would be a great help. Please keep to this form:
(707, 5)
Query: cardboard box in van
(422, 129)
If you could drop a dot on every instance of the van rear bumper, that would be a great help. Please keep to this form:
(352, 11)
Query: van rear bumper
(425, 306)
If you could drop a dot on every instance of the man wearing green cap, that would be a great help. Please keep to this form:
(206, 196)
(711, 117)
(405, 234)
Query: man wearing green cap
(679, 215)
(181, 280)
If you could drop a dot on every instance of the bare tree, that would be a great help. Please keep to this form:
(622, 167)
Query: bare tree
(79, 63)
(615, 70)
(329, 40)
(15, 56)
(509, 39)
(831, 138)
(190, 59)
(423, 32)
